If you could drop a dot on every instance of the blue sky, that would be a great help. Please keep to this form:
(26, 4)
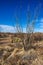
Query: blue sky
(9, 9)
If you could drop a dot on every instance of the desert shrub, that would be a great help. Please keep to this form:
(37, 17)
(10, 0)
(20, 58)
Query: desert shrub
(19, 45)
(1, 53)
(5, 55)
(8, 48)
(11, 44)
(23, 62)
(31, 55)
(17, 39)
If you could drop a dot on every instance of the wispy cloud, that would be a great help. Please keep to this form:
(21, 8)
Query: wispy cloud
(6, 28)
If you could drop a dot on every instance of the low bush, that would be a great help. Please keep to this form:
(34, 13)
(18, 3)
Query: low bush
(17, 39)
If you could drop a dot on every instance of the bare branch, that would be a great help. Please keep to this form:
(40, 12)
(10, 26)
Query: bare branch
(18, 27)
(30, 27)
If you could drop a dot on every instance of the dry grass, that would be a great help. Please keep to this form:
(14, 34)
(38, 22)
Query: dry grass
(14, 53)
(19, 56)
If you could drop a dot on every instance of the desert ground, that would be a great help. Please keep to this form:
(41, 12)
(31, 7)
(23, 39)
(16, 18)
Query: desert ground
(13, 53)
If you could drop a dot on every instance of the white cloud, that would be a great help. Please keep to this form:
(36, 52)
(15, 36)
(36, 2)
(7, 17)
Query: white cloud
(6, 28)
(24, 30)
(38, 30)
